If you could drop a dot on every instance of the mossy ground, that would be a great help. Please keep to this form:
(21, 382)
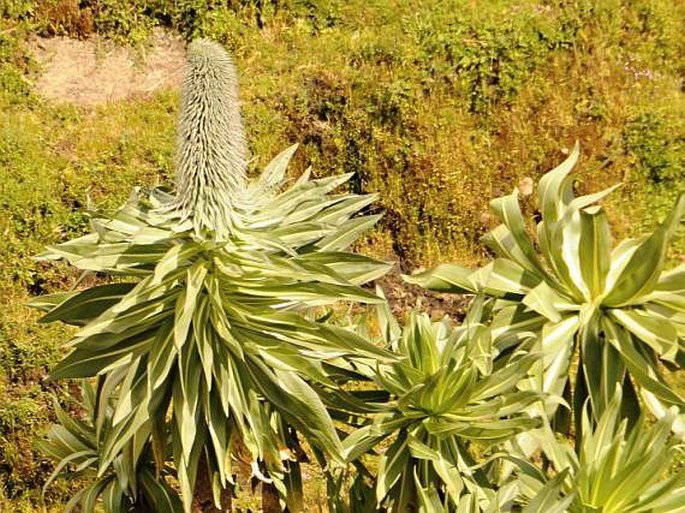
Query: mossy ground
(437, 106)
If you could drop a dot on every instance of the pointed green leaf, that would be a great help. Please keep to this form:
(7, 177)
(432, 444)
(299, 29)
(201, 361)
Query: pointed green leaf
(640, 368)
(595, 255)
(659, 334)
(641, 272)
(445, 278)
(522, 251)
(186, 302)
(274, 173)
(543, 299)
(554, 189)
(82, 307)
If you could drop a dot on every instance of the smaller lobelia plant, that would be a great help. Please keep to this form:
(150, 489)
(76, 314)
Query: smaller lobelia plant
(450, 408)
(200, 349)
(127, 485)
(616, 308)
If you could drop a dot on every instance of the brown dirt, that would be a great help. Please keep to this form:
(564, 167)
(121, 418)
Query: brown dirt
(403, 296)
(93, 71)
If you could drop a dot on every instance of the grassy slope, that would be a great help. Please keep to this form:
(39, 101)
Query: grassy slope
(437, 107)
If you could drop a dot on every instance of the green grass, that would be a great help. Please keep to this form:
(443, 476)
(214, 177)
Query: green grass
(438, 107)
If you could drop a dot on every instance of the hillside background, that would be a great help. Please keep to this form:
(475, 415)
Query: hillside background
(437, 106)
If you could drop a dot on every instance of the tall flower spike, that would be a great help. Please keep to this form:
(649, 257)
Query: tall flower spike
(212, 153)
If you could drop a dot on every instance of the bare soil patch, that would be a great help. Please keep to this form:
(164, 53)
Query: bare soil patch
(403, 297)
(94, 71)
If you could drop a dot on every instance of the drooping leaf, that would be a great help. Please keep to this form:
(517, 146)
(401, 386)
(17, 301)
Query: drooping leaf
(445, 278)
(641, 272)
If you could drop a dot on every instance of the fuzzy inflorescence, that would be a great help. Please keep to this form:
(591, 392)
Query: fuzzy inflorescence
(212, 153)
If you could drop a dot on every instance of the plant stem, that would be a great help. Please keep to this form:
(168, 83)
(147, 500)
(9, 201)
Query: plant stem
(203, 498)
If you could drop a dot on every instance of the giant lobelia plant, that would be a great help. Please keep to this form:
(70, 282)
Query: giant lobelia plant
(199, 342)
(617, 308)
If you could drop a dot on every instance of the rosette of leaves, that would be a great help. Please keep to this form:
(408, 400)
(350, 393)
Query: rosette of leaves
(615, 470)
(450, 404)
(130, 484)
(201, 337)
(618, 309)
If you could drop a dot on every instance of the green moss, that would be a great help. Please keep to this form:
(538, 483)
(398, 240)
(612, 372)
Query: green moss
(655, 146)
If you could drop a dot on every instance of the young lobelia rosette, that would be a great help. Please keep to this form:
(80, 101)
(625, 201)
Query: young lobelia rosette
(615, 470)
(127, 485)
(201, 338)
(451, 407)
(617, 308)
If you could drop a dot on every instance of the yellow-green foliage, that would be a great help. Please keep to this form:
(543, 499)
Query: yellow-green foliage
(438, 106)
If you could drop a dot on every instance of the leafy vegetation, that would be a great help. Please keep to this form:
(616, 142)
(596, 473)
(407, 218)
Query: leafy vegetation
(435, 107)
(614, 470)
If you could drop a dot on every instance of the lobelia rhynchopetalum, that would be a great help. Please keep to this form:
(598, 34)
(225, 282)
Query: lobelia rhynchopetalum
(201, 345)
